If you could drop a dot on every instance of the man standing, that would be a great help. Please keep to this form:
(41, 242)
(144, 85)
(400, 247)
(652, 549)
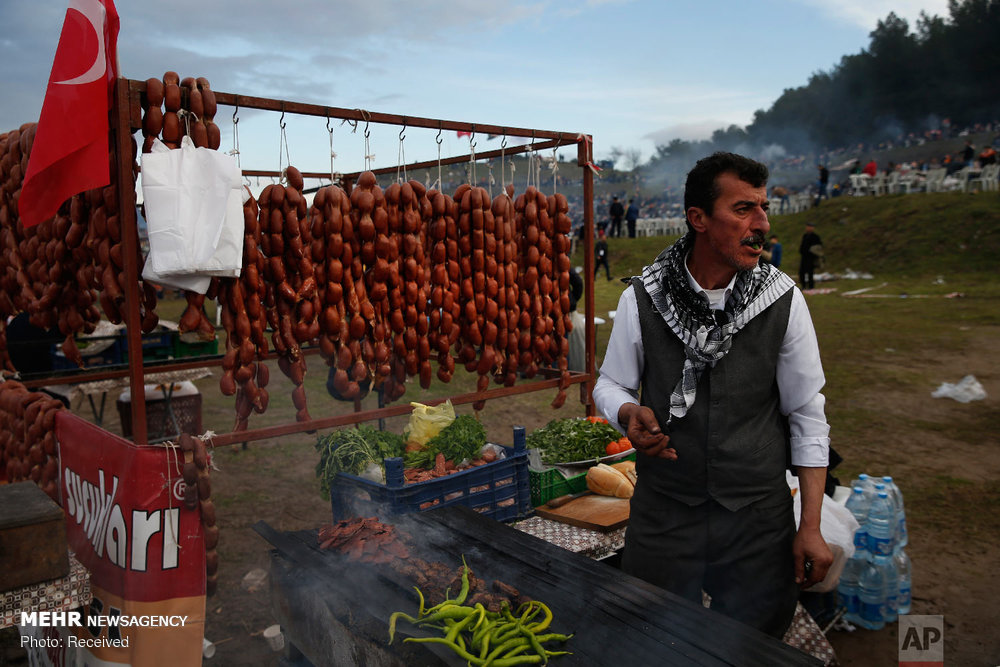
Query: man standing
(631, 216)
(616, 212)
(713, 371)
(808, 249)
(821, 184)
(601, 254)
(775, 251)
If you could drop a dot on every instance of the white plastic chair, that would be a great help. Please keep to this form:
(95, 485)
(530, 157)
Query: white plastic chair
(935, 180)
(987, 178)
(892, 183)
(878, 184)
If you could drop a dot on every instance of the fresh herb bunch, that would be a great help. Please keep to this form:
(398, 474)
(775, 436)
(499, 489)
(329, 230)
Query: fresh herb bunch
(462, 439)
(351, 450)
(570, 439)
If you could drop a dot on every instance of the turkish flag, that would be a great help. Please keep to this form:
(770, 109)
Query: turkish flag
(70, 151)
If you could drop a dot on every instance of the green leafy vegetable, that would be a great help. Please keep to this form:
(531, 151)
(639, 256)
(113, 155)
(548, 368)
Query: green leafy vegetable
(351, 450)
(571, 439)
(462, 439)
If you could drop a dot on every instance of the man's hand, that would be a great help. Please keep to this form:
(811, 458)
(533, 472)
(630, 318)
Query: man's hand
(810, 547)
(643, 430)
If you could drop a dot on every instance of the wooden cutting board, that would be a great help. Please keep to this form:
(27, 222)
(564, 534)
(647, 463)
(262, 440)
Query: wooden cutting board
(596, 512)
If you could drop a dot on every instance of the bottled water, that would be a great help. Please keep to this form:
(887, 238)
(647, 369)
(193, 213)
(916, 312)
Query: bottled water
(897, 496)
(849, 586)
(858, 505)
(872, 598)
(881, 526)
(866, 483)
(886, 565)
(904, 572)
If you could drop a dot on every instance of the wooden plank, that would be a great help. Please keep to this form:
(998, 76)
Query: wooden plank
(592, 511)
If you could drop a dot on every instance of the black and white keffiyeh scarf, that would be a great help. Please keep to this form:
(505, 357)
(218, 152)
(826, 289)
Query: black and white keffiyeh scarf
(706, 334)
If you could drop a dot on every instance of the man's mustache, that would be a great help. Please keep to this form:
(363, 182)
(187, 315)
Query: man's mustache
(756, 239)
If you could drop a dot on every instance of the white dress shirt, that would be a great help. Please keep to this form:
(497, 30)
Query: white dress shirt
(799, 372)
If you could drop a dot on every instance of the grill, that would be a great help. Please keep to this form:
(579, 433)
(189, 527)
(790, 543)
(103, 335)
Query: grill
(335, 611)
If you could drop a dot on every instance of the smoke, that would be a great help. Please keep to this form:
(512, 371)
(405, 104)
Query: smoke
(771, 152)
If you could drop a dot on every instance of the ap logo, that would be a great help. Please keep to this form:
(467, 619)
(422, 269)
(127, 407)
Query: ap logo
(921, 641)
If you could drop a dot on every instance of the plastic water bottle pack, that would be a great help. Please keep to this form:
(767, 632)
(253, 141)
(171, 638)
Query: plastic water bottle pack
(875, 585)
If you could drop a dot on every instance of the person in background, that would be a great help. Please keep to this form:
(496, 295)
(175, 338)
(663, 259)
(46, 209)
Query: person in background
(711, 364)
(988, 156)
(968, 154)
(577, 358)
(616, 212)
(781, 192)
(775, 251)
(871, 168)
(631, 216)
(821, 183)
(601, 254)
(807, 266)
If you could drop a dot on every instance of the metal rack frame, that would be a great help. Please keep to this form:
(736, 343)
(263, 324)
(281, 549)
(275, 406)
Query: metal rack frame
(127, 119)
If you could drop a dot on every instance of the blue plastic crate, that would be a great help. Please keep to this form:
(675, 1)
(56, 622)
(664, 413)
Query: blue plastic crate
(499, 490)
(107, 357)
(158, 344)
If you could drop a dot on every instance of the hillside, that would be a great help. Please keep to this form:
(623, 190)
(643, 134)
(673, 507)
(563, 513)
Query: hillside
(916, 235)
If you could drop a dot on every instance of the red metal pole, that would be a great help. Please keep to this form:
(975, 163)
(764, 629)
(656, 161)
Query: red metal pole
(130, 239)
(585, 158)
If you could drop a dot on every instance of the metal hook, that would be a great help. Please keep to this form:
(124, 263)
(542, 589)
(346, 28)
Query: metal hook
(328, 128)
(236, 110)
(281, 121)
(503, 142)
(438, 138)
(402, 132)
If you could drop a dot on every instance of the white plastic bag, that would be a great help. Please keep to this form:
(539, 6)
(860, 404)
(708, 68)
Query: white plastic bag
(837, 525)
(967, 389)
(194, 213)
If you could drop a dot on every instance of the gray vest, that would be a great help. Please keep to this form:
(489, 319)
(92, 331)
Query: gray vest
(732, 445)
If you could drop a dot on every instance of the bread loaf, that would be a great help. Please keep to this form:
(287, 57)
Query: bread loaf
(607, 481)
(627, 468)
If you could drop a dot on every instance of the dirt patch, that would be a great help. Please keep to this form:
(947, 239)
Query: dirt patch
(945, 456)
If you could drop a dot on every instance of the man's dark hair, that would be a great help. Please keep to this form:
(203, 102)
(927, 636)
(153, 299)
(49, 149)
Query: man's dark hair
(700, 189)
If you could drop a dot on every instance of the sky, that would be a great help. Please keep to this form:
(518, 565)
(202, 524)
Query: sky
(632, 73)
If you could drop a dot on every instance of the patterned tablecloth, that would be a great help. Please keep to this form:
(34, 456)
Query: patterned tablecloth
(804, 634)
(164, 377)
(63, 594)
(583, 541)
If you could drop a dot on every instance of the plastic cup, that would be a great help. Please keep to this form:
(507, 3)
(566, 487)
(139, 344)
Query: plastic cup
(207, 648)
(275, 638)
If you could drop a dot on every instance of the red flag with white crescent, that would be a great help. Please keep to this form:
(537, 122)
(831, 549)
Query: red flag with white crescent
(70, 150)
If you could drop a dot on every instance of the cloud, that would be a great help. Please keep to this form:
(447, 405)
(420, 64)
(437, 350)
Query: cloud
(301, 51)
(867, 13)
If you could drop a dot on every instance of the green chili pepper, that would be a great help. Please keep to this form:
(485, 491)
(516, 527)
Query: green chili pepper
(392, 623)
(465, 583)
(452, 645)
(543, 624)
